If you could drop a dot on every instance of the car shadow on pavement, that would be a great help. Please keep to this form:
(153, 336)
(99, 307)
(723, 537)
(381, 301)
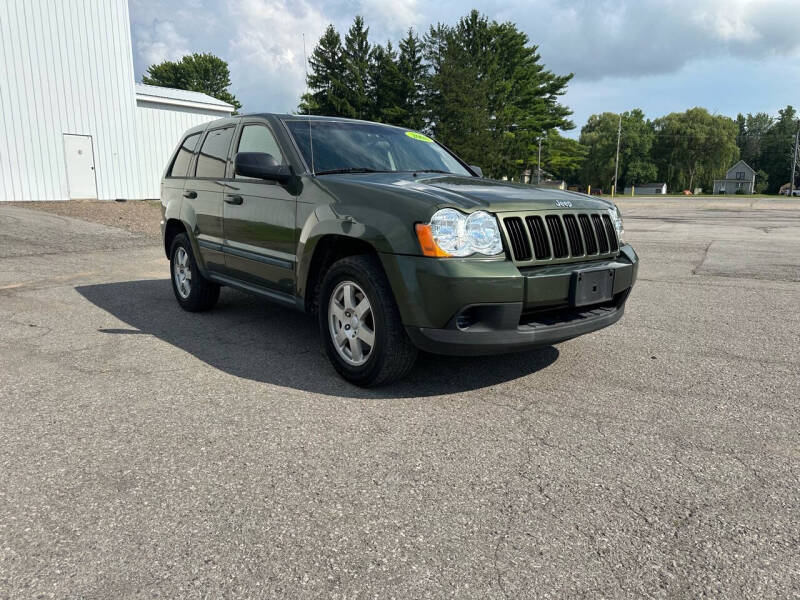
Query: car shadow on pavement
(254, 339)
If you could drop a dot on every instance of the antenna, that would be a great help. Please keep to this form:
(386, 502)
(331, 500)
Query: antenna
(305, 64)
(308, 106)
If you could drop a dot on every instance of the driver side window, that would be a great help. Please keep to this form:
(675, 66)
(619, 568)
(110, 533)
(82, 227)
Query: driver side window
(258, 138)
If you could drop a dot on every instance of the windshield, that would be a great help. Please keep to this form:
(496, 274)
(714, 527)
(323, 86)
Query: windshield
(349, 147)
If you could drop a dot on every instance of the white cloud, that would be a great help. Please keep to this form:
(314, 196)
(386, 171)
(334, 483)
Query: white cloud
(597, 39)
(618, 40)
(266, 47)
(159, 42)
(392, 17)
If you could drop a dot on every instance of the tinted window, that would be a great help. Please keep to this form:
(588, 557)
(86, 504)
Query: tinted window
(214, 153)
(181, 164)
(333, 146)
(258, 138)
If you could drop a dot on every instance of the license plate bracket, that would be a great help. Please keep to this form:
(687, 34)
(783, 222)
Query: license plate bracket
(591, 286)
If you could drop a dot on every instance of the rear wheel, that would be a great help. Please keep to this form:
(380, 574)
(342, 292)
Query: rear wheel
(363, 335)
(193, 291)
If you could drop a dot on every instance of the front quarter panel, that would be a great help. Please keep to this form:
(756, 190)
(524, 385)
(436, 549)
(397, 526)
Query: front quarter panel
(384, 221)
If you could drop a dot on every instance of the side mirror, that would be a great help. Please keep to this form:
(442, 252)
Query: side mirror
(261, 166)
(477, 170)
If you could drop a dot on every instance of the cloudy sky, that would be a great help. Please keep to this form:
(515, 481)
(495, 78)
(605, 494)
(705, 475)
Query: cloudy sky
(660, 55)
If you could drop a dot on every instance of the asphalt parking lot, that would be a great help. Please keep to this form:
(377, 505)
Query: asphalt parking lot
(147, 452)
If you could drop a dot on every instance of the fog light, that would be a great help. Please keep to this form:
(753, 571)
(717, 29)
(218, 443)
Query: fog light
(466, 318)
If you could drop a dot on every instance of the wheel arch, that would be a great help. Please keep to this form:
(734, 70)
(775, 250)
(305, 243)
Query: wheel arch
(172, 228)
(321, 252)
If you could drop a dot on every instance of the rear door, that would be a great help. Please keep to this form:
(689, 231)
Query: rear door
(175, 175)
(260, 217)
(202, 205)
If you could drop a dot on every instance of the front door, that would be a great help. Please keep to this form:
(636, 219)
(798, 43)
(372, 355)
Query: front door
(79, 157)
(260, 219)
(202, 205)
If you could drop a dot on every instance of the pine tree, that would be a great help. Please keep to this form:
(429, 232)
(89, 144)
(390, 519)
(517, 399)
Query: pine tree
(356, 71)
(385, 86)
(777, 148)
(489, 97)
(326, 78)
(412, 71)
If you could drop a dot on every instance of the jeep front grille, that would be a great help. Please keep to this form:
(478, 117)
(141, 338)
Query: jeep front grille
(559, 237)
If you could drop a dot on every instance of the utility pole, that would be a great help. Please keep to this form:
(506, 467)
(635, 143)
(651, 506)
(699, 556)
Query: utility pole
(539, 169)
(794, 162)
(616, 162)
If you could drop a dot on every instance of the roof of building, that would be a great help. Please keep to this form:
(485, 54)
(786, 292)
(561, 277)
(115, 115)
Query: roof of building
(741, 162)
(649, 185)
(164, 95)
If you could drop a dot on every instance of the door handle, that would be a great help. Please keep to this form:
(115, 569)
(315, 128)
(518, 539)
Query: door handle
(190, 194)
(234, 199)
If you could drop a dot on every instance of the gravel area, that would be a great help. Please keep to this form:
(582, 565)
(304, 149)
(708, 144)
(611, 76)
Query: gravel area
(139, 216)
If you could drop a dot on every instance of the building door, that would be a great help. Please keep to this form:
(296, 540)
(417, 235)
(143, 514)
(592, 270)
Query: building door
(79, 157)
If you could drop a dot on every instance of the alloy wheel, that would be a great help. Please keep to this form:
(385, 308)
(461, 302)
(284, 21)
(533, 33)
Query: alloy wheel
(352, 324)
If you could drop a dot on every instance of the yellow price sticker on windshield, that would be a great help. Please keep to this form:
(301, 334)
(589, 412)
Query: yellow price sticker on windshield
(418, 136)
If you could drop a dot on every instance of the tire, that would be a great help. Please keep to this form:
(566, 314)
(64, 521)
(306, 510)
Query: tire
(194, 293)
(391, 355)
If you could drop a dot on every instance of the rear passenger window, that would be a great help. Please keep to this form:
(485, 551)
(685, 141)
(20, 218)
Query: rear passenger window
(180, 166)
(214, 154)
(258, 138)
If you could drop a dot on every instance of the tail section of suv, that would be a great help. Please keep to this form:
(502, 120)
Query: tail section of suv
(392, 241)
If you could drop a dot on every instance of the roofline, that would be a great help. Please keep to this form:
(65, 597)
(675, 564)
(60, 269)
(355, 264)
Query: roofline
(302, 117)
(744, 163)
(221, 108)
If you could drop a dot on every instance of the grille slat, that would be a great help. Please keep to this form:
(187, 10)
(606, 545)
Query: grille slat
(600, 231)
(574, 235)
(611, 232)
(519, 241)
(562, 237)
(541, 246)
(588, 234)
(557, 236)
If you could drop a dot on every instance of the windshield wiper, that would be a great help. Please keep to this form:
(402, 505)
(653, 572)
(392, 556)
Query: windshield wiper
(350, 170)
(432, 171)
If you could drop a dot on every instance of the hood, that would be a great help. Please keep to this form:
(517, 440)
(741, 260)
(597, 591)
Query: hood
(472, 193)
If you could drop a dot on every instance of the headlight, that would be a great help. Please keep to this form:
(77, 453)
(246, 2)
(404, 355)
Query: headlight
(452, 233)
(616, 219)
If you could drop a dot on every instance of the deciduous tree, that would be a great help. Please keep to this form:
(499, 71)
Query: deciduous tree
(196, 72)
(695, 147)
(599, 135)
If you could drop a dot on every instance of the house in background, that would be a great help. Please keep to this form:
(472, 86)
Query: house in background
(646, 189)
(740, 176)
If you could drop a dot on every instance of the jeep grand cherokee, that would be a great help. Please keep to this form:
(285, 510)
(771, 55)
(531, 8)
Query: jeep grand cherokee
(389, 238)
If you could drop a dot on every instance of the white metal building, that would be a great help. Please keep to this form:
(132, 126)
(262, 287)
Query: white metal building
(73, 123)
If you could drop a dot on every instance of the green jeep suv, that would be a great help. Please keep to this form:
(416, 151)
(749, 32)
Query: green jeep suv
(389, 238)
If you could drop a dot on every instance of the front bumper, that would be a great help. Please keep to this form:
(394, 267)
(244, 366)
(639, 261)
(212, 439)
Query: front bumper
(509, 309)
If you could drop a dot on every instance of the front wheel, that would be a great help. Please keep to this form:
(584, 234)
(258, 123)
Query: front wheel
(192, 291)
(363, 334)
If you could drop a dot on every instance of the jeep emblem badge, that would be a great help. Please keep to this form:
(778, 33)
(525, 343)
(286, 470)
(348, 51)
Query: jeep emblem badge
(563, 204)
